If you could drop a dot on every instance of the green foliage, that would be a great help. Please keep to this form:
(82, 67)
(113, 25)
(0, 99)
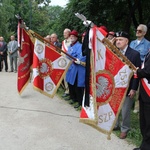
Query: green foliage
(134, 135)
(114, 14)
(33, 15)
(5, 17)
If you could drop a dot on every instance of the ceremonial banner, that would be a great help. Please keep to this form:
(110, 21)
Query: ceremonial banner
(49, 68)
(25, 60)
(19, 33)
(109, 79)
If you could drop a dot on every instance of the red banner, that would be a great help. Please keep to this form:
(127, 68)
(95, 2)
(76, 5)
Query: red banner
(25, 61)
(49, 68)
(109, 79)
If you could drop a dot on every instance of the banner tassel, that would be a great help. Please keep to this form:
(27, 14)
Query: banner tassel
(109, 137)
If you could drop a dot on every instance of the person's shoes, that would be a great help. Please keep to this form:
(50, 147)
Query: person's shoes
(77, 106)
(137, 149)
(65, 95)
(67, 98)
(15, 71)
(123, 135)
(71, 102)
(10, 71)
(5, 70)
(116, 128)
(135, 111)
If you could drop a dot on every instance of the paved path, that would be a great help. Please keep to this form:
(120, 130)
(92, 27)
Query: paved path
(33, 121)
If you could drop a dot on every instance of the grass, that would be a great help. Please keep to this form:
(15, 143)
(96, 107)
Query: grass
(134, 135)
(60, 92)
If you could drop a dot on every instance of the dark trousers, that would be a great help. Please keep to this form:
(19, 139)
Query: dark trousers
(3, 58)
(76, 93)
(145, 124)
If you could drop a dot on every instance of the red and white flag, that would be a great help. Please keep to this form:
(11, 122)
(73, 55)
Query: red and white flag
(109, 79)
(145, 83)
(49, 68)
(25, 60)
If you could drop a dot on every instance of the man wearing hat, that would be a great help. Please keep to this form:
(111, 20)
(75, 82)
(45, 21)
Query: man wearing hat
(122, 40)
(75, 75)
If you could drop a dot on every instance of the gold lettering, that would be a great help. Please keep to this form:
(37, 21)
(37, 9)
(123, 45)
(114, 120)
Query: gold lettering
(123, 75)
(116, 99)
(99, 54)
(109, 115)
(101, 119)
(105, 117)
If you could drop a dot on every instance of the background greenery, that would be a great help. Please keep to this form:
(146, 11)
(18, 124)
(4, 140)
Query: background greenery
(114, 14)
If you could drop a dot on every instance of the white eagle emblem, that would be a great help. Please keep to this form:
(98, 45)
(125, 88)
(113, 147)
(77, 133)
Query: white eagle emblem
(103, 87)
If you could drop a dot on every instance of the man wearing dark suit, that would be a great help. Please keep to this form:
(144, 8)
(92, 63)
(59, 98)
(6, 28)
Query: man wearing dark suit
(122, 40)
(3, 53)
(144, 99)
(54, 40)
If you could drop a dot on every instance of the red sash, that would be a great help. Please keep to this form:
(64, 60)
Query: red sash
(64, 47)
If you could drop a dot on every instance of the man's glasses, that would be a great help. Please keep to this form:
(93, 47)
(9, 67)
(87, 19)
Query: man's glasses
(140, 31)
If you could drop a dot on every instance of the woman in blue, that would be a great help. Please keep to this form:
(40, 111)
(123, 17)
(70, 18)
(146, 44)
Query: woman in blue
(75, 75)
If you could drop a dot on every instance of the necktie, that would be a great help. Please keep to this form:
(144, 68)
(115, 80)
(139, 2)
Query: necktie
(12, 45)
(1, 44)
(122, 52)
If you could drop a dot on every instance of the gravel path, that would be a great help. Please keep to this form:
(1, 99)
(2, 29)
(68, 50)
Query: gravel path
(33, 121)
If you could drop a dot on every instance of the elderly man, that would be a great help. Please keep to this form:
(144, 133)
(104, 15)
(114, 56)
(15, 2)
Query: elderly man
(75, 75)
(65, 44)
(48, 38)
(142, 45)
(3, 54)
(122, 40)
(54, 40)
(13, 53)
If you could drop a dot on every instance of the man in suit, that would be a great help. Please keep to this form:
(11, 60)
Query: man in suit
(122, 40)
(3, 54)
(144, 102)
(54, 40)
(13, 53)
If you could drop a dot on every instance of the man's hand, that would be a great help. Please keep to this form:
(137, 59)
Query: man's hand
(131, 93)
(77, 61)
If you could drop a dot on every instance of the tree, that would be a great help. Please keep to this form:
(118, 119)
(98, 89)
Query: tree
(114, 14)
(5, 18)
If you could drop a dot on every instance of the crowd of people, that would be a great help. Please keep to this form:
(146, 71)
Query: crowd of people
(137, 51)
